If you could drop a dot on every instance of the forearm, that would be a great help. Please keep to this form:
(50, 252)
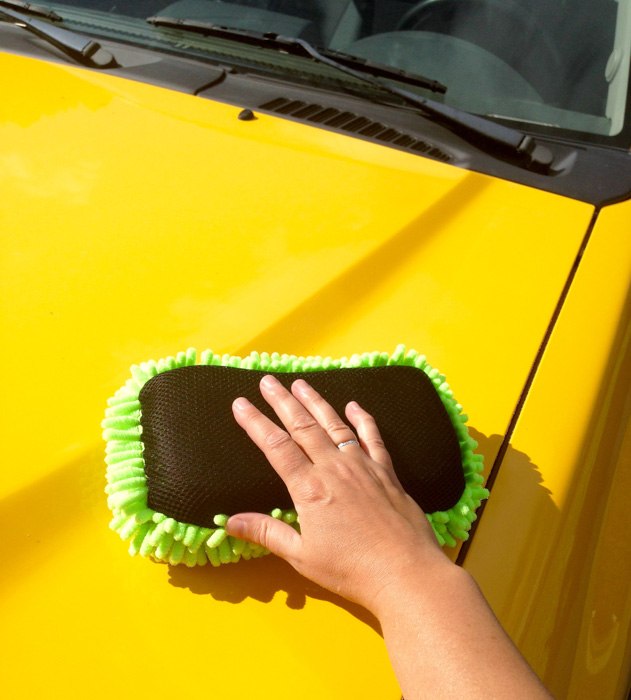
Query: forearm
(444, 641)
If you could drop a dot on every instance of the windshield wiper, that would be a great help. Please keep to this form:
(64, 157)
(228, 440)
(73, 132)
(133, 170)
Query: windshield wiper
(30, 8)
(80, 48)
(359, 68)
(500, 141)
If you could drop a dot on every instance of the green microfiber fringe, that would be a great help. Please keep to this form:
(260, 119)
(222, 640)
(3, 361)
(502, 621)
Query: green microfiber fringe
(155, 535)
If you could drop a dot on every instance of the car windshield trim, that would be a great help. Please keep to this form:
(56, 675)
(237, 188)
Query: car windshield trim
(585, 100)
(502, 141)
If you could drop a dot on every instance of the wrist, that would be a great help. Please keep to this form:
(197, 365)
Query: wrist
(417, 578)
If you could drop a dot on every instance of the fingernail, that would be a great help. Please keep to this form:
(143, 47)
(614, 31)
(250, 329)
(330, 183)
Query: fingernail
(235, 526)
(269, 381)
(241, 404)
(301, 386)
(352, 406)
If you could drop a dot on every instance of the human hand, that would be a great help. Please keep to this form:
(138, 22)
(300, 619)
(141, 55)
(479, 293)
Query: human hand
(360, 531)
(363, 537)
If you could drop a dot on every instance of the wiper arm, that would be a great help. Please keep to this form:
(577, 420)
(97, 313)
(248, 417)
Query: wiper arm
(359, 68)
(501, 141)
(80, 48)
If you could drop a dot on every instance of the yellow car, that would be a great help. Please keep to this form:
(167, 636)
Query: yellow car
(314, 178)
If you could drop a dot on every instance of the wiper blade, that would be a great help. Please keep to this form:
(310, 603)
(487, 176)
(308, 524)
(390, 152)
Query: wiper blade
(80, 48)
(363, 65)
(500, 141)
(359, 68)
(31, 9)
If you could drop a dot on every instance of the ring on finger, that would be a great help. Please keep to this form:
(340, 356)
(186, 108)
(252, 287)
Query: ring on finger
(346, 443)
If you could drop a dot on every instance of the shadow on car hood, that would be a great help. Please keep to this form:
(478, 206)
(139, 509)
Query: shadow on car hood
(138, 222)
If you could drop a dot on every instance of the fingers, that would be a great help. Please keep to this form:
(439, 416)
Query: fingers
(281, 539)
(299, 418)
(323, 412)
(281, 451)
(368, 433)
(312, 424)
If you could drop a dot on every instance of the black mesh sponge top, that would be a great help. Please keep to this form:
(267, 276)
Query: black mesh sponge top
(199, 462)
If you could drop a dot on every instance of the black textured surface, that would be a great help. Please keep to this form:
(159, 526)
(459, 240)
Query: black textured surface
(199, 462)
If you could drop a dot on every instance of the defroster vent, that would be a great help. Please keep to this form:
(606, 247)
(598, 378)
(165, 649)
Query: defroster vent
(352, 123)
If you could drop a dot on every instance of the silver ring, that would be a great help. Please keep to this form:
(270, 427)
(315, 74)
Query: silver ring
(347, 442)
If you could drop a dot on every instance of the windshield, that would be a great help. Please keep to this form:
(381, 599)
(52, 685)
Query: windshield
(554, 66)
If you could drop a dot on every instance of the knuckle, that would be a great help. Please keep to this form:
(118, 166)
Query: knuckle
(335, 426)
(376, 442)
(277, 439)
(344, 471)
(315, 492)
(303, 423)
(262, 533)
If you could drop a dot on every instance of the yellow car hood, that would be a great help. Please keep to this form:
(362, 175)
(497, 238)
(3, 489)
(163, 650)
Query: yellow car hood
(138, 221)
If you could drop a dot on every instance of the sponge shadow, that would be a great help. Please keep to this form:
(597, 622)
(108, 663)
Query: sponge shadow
(261, 579)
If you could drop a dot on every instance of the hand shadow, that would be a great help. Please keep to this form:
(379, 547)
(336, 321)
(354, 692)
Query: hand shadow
(261, 579)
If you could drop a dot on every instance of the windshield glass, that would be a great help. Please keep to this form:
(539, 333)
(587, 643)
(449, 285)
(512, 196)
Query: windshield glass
(554, 66)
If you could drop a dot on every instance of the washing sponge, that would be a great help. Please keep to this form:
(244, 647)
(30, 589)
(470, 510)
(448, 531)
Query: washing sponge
(178, 464)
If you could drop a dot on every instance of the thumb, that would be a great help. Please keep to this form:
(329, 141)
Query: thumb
(279, 537)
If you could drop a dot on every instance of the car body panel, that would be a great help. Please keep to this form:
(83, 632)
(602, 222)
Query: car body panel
(295, 240)
(558, 513)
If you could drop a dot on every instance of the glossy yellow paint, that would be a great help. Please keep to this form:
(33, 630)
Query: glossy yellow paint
(558, 516)
(136, 222)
